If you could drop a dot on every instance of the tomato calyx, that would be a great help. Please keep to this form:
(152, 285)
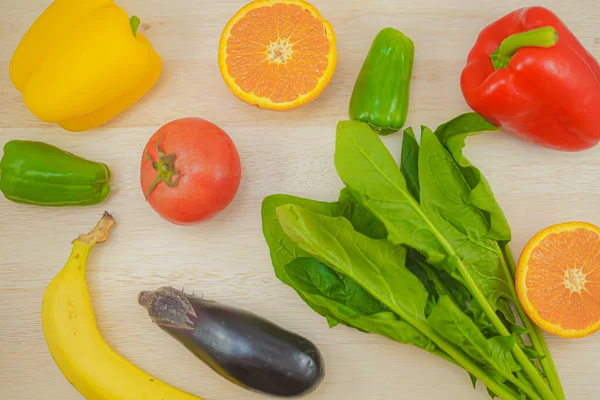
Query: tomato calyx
(165, 168)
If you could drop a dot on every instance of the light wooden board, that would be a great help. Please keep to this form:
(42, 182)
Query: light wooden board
(227, 259)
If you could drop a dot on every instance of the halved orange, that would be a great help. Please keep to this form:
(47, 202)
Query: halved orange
(277, 54)
(558, 279)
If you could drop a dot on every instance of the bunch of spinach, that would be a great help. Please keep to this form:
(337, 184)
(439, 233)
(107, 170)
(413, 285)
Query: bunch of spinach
(418, 254)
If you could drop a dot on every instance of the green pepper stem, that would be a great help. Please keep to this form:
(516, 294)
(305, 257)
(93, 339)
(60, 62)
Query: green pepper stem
(135, 24)
(544, 37)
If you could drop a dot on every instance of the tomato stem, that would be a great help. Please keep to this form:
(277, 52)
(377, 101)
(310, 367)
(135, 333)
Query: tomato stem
(165, 168)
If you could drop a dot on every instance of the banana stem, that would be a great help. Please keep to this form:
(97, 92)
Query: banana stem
(100, 233)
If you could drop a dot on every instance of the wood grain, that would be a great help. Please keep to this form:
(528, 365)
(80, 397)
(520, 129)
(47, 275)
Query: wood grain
(226, 259)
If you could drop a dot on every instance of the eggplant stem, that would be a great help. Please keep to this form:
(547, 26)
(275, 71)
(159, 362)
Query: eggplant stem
(168, 307)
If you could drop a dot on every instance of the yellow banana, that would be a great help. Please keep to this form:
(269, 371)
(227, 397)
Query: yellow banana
(73, 338)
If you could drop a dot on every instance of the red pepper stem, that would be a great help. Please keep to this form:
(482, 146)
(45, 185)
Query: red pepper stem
(545, 37)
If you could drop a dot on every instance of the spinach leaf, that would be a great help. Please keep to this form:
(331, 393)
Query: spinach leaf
(453, 135)
(312, 280)
(456, 290)
(481, 253)
(530, 351)
(444, 189)
(425, 273)
(409, 165)
(438, 283)
(377, 264)
(428, 279)
(283, 250)
(311, 276)
(518, 331)
(365, 165)
(445, 198)
(448, 320)
(478, 316)
(361, 218)
(370, 171)
(349, 303)
(507, 314)
(454, 132)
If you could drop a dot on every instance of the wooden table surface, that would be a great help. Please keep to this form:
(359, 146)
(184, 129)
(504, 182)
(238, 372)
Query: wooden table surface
(227, 259)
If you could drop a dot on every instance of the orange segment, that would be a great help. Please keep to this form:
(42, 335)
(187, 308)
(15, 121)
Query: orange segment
(277, 54)
(558, 279)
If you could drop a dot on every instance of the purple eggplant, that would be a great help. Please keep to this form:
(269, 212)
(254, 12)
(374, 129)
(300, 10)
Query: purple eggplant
(244, 348)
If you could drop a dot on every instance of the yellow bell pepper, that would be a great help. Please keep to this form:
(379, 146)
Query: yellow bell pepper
(82, 62)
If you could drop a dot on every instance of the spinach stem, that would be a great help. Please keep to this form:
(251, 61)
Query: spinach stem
(529, 391)
(510, 270)
(442, 290)
(529, 369)
(501, 390)
(536, 336)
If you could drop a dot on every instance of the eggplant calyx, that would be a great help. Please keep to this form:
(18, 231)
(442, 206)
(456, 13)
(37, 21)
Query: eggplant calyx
(169, 307)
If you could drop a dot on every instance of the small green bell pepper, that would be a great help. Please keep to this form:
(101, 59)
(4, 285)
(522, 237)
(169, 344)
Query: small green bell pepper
(381, 93)
(44, 175)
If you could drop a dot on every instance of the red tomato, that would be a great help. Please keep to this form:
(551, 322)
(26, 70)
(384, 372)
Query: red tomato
(190, 171)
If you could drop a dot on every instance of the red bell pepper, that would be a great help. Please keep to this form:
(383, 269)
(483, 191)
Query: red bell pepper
(529, 75)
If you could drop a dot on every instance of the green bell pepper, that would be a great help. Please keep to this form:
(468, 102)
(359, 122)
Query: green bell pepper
(381, 92)
(44, 175)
